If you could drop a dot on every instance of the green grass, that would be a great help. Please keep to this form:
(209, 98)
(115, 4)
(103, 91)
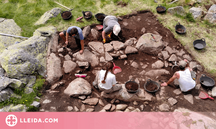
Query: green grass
(26, 99)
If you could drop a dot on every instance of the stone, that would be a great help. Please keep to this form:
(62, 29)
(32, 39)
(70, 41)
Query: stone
(28, 57)
(35, 104)
(2, 72)
(83, 64)
(57, 84)
(69, 108)
(76, 109)
(117, 45)
(82, 97)
(165, 54)
(67, 57)
(86, 31)
(69, 66)
(87, 56)
(82, 108)
(28, 90)
(130, 50)
(173, 57)
(181, 53)
(121, 107)
(108, 57)
(18, 108)
(146, 45)
(197, 97)
(31, 81)
(113, 108)
(97, 46)
(172, 101)
(196, 12)
(125, 23)
(189, 98)
(107, 107)
(102, 59)
(158, 64)
(123, 56)
(60, 50)
(166, 64)
(214, 92)
(158, 72)
(164, 107)
(77, 87)
(94, 33)
(117, 101)
(46, 101)
(108, 47)
(54, 71)
(135, 65)
(197, 86)
(130, 42)
(5, 94)
(187, 57)
(177, 10)
(47, 15)
(136, 110)
(100, 102)
(91, 101)
(210, 16)
(177, 91)
(142, 107)
(89, 110)
(8, 26)
(135, 103)
(170, 50)
(142, 72)
(143, 30)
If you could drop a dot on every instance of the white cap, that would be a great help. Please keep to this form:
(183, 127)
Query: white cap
(116, 29)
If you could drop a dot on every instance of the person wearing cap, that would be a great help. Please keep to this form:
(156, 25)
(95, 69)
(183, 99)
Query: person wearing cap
(110, 24)
(76, 32)
(186, 82)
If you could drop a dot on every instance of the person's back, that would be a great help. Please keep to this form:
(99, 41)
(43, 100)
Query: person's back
(185, 80)
(109, 81)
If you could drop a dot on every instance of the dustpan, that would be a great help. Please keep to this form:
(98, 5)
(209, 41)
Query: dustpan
(80, 75)
(99, 27)
(204, 95)
(116, 69)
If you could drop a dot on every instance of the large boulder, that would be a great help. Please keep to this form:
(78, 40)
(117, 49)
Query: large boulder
(8, 26)
(87, 56)
(5, 94)
(130, 50)
(77, 87)
(211, 15)
(196, 12)
(16, 108)
(97, 46)
(69, 66)
(86, 31)
(158, 72)
(29, 56)
(148, 45)
(47, 15)
(117, 45)
(54, 71)
(177, 10)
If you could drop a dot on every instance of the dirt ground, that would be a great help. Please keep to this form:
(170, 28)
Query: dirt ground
(135, 22)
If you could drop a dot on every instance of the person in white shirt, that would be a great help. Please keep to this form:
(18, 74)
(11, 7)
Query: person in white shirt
(186, 82)
(105, 80)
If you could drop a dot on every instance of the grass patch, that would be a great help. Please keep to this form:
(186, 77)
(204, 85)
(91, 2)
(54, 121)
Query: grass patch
(26, 99)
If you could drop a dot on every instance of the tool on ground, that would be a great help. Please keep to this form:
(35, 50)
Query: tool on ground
(10, 35)
(99, 27)
(69, 14)
(204, 95)
(80, 75)
(79, 18)
(116, 69)
(175, 64)
(63, 6)
(153, 37)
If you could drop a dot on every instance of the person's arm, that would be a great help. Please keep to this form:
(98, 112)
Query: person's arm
(175, 76)
(82, 46)
(67, 35)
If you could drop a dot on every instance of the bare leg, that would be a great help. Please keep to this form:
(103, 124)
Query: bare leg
(62, 36)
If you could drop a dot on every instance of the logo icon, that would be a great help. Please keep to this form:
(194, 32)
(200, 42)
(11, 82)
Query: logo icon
(11, 120)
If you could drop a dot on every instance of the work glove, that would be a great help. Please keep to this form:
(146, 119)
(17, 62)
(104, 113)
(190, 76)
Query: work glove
(109, 35)
(104, 40)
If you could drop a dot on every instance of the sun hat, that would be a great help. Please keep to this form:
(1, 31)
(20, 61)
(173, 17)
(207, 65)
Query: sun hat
(116, 29)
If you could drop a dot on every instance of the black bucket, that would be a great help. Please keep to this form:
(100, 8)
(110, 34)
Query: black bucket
(206, 81)
(66, 15)
(129, 83)
(180, 29)
(149, 82)
(199, 44)
(161, 9)
(87, 14)
(100, 17)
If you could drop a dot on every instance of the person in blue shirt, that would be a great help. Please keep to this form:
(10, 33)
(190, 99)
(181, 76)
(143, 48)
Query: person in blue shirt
(76, 32)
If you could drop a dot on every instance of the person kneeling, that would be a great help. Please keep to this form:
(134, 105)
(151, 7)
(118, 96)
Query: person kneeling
(186, 82)
(106, 80)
